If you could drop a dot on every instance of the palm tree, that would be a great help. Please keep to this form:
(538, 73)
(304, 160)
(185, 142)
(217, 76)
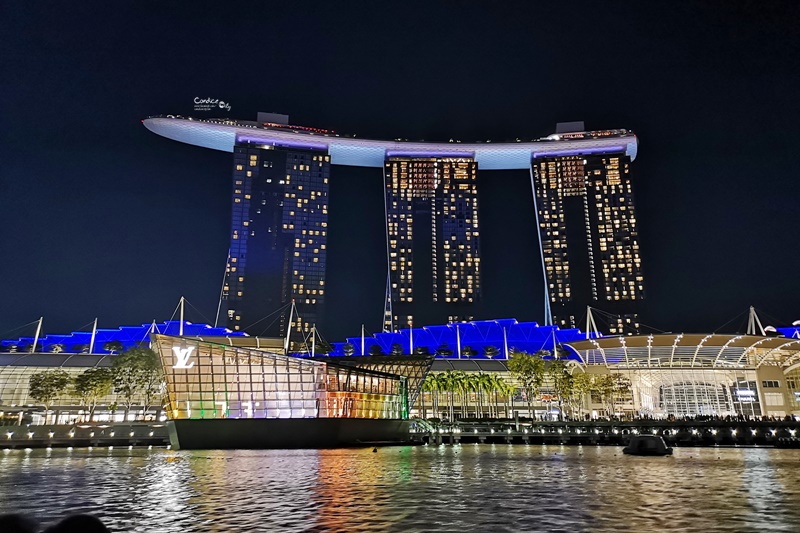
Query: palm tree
(469, 385)
(429, 385)
(504, 389)
(490, 351)
(487, 384)
(113, 346)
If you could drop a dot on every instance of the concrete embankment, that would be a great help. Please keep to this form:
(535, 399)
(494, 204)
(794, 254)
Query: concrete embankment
(679, 433)
(84, 435)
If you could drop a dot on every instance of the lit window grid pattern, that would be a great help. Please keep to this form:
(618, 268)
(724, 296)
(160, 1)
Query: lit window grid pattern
(305, 217)
(245, 170)
(457, 208)
(617, 232)
(229, 382)
(450, 185)
(406, 180)
(618, 248)
(552, 229)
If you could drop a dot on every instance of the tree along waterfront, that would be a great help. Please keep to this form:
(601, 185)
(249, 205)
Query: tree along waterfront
(540, 384)
(134, 379)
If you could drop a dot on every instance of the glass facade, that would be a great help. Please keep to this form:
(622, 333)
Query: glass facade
(279, 234)
(68, 406)
(206, 380)
(433, 240)
(589, 236)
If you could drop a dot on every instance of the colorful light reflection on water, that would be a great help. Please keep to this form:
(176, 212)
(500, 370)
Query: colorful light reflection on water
(426, 488)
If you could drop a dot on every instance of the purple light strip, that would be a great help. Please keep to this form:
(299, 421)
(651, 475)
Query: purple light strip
(281, 142)
(411, 153)
(581, 151)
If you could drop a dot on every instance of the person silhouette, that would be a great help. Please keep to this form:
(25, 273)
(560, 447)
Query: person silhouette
(79, 523)
(17, 523)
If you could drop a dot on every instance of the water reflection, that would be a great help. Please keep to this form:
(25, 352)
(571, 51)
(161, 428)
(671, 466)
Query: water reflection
(426, 488)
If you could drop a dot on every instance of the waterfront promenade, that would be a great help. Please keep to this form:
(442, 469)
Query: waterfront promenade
(783, 433)
(720, 432)
(84, 435)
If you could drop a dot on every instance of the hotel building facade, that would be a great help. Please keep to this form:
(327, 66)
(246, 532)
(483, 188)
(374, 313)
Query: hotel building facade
(581, 190)
(433, 240)
(588, 230)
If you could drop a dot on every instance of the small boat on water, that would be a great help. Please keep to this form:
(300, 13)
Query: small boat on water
(647, 445)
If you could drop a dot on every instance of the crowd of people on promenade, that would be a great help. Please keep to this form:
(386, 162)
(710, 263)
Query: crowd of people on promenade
(649, 418)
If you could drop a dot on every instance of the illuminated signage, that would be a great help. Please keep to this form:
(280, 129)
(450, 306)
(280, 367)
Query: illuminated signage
(183, 354)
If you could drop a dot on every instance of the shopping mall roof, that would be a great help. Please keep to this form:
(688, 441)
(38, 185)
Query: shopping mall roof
(692, 350)
(223, 134)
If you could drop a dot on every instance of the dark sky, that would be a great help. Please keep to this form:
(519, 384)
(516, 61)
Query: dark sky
(100, 217)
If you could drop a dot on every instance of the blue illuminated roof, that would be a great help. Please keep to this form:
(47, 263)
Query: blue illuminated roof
(792, 332)
(498, 336)
(128, 336)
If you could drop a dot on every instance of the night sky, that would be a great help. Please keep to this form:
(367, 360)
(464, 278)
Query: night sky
(100, 217)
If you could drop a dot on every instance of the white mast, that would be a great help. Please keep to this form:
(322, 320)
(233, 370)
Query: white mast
(180, 327)
(362, 339)
(288, 330)
(152, 330)
(505, 342)
(458, 341)
(411, 340)
(94, 334)
(753, 322)
(555, 346)
(36, 338)
(313, 339)
(591, 325)
(222, 288)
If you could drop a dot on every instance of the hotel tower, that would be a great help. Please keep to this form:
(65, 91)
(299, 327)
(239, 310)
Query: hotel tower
(581, 182)
(588, 229)
(433, 240)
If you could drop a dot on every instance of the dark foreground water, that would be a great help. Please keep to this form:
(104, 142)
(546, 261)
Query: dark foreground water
(445, 488)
